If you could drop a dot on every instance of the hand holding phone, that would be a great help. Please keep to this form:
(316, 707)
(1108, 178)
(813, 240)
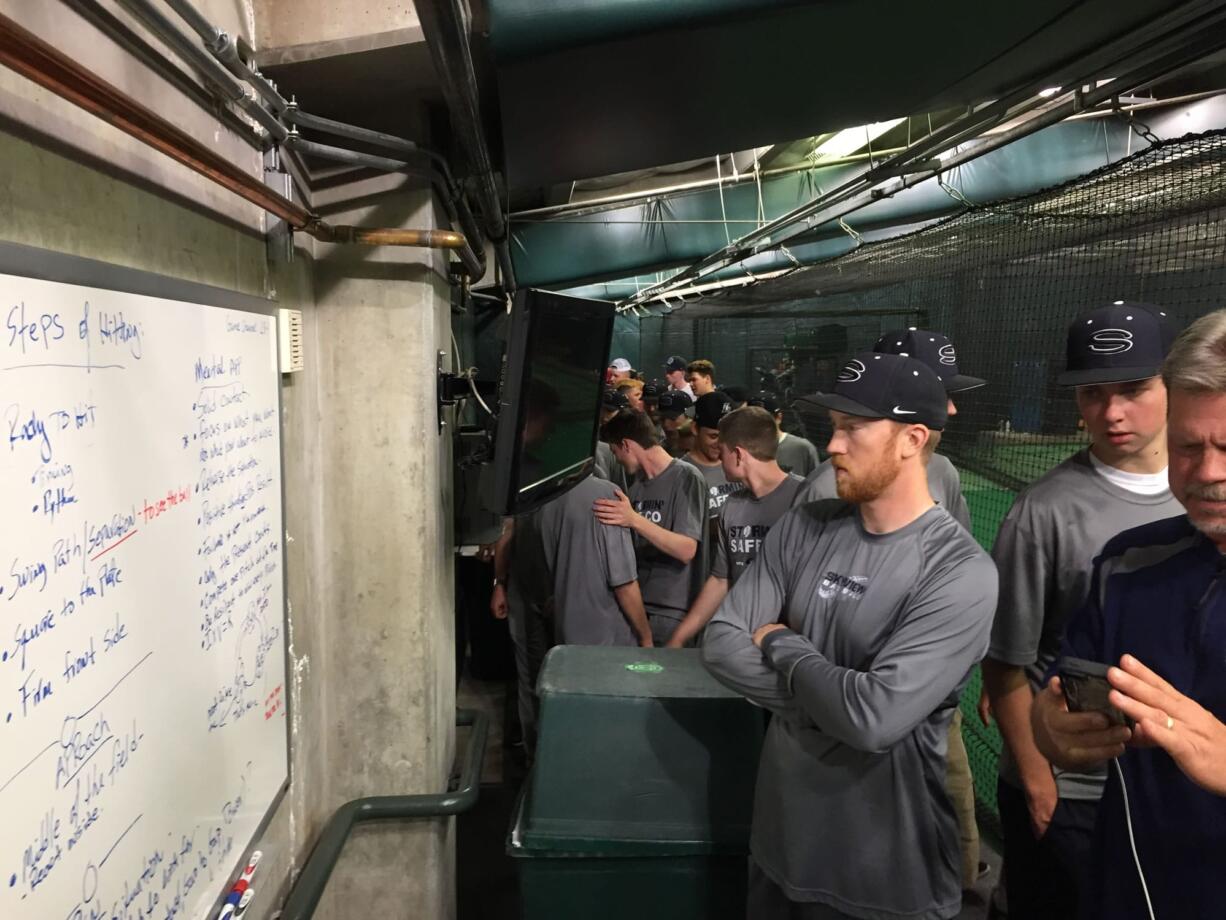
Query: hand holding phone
(1085, 689)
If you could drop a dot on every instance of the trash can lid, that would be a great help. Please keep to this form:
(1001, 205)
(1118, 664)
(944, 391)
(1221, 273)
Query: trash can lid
(658, 673)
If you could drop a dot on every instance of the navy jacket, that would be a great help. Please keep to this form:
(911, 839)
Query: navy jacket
(1159, 594)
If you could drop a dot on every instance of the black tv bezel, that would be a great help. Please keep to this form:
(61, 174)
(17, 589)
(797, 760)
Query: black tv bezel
(516, 369)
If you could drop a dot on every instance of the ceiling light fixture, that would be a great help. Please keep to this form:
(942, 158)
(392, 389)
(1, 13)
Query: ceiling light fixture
(849, 140)
(1049, 92)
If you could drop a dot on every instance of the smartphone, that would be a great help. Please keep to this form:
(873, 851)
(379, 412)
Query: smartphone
(1086, 688)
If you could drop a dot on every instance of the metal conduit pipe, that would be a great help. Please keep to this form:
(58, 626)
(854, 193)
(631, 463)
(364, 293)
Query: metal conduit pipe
(229, 51)
(1206, 43)
(208, 32)
(473, 260)
(450, 189)
(595, 205)
(295, 116)
(233, 54)
(27, 54)
(208, 68)
(1184, 32)
(352, 157)
(446, 32)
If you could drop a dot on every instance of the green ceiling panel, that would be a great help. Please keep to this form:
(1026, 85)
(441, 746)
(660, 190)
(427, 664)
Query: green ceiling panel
(643, 238)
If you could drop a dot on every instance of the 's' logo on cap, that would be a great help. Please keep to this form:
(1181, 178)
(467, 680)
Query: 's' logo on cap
(948, 355)
(1111, 341)
(853, 371)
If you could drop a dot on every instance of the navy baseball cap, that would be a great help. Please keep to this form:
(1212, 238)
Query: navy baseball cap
(614, 400)
(934, 349)
(675, 363)
(876, 385)
(767, 401)
(674, 403)
(1114, 344)
(710, 408)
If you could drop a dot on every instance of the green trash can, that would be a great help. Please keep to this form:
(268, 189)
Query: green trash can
(640, 800)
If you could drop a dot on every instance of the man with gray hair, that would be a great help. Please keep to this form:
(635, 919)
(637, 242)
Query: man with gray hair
(1156, 612)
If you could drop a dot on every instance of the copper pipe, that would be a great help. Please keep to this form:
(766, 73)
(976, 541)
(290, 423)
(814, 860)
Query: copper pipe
(28, 55)
(432, 239)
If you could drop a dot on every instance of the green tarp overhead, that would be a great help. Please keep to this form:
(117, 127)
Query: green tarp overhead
(595, 88)
(669, 231)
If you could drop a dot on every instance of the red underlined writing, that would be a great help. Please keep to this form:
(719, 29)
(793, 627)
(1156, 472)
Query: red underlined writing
(160, 506)
(101, 553)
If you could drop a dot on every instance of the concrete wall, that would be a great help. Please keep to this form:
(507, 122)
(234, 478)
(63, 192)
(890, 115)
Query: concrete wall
(368, 479)
(284, 23)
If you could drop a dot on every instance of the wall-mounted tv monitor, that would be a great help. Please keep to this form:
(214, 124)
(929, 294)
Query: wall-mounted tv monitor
(549, 397)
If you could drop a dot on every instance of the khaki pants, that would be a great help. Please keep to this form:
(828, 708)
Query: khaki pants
(961, 789)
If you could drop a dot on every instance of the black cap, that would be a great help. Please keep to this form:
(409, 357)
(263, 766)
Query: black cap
(652, 391)
(735, 393)
(674, 363)
(876, 385)
(934, 349)
(614, 400)
(767, 401)
(674, 403)
(710, 408)
(1117, 343)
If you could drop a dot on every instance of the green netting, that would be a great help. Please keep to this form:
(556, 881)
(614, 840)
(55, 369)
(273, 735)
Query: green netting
(1003, 280)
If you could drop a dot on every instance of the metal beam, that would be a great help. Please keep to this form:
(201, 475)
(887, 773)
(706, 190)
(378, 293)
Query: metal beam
(1194, 26)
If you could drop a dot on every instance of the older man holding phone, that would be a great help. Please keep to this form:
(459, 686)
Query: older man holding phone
(1156, 613)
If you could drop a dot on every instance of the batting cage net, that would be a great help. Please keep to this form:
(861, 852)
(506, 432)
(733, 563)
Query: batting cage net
(1003, 280)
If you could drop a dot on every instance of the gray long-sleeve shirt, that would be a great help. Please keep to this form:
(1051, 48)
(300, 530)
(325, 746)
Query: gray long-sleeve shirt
(944, 484)
(850, 808)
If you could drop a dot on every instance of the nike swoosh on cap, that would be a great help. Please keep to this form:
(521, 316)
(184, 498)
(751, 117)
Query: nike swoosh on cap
(899, 411)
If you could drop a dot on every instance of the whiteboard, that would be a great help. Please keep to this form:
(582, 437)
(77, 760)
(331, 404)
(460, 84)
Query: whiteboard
(143, 731)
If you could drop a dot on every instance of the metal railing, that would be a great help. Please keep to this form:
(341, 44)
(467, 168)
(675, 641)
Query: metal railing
(305, 895)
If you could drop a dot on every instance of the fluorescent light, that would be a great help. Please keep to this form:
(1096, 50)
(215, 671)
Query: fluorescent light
(1049, 92)
(849, 140)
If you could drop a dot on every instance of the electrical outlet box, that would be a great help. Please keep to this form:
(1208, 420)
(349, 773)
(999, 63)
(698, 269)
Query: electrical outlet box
(289, 325)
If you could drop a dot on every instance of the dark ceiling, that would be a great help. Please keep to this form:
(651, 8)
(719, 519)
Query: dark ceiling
(591, 89)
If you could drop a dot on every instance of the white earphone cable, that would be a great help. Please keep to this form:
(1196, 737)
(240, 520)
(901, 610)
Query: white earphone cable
(1132, 840)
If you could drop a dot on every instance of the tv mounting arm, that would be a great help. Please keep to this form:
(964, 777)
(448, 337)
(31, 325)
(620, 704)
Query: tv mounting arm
(452, 388)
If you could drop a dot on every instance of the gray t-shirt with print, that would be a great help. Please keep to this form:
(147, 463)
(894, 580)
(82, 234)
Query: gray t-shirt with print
(796, 455)
(675, 500)
(1045, 553)
(882, 631)
(588, 560)
(719, 487)
(745, 523)
(944, 484)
